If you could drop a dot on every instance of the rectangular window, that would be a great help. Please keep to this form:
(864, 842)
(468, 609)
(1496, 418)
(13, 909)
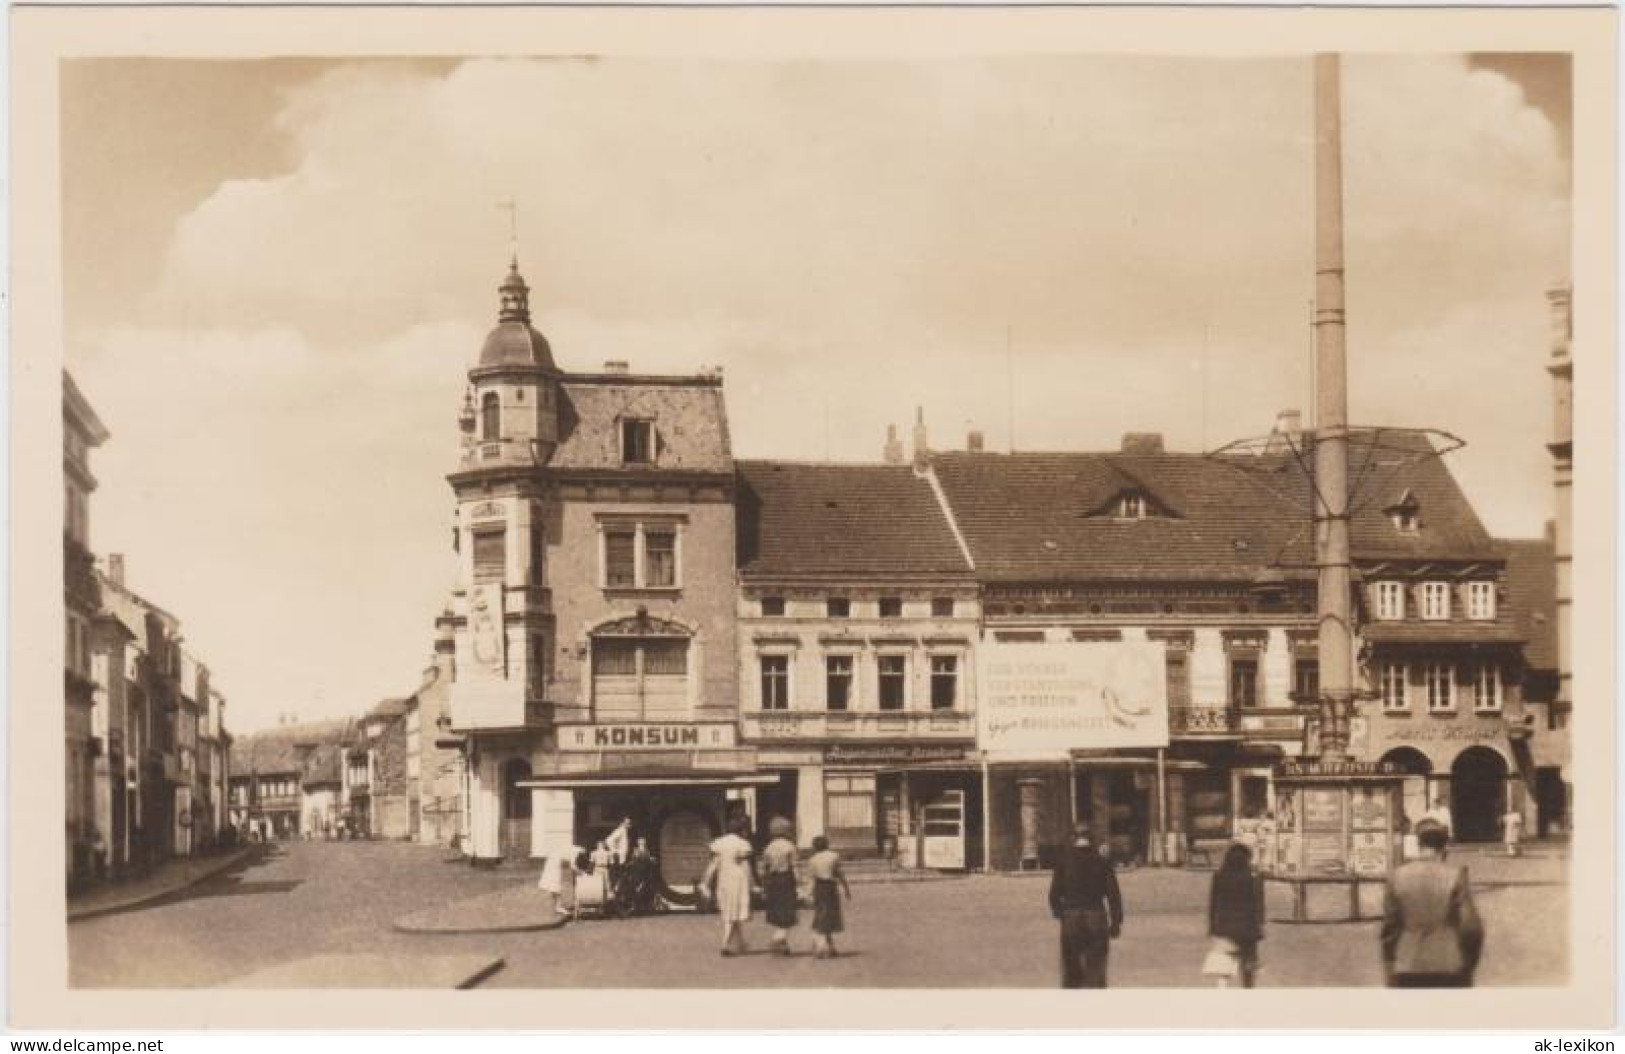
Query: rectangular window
(615, 657)
(891, 607)
(1179, 678)
(838, 682)
(1243, 682)
(893, 681)
(637, 442)
(1391, 681)
(775, 682)
(1481, 600)
(1441, 687)
(772, 607)
(1435, 600)
(490, 556)
(620, 562)
(1306, 680)
(665, 656)
(849, 803)
(1484, 681)
(838, 607)
(659, 559)
(1390, 600)
(944, 682)
(942, 607)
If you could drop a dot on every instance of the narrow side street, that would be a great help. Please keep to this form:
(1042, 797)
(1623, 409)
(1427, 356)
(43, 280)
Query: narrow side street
(319, 898)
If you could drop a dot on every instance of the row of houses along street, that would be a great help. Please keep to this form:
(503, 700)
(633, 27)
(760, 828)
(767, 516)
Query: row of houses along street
(146, 746)
(648, 628)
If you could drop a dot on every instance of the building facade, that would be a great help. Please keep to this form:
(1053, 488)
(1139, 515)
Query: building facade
(858, 616)
(84, 749)
(593, 626)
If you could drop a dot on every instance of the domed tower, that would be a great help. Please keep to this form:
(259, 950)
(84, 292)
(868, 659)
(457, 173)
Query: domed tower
(510, 411)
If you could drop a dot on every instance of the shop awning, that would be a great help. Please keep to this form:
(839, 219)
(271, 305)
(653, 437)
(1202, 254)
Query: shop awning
(654, 779)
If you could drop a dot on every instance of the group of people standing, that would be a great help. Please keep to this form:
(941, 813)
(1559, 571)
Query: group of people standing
(1431, 935)
(732, 880)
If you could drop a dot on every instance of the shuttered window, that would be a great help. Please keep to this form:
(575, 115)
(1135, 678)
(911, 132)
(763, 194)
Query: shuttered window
(490, 555)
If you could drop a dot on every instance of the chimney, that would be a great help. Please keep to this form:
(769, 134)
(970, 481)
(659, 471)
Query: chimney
(922, 449)
(115, 568)
(1142, 443)
(1289, 422)
(975, 442)
(616, 366)
(893, 452)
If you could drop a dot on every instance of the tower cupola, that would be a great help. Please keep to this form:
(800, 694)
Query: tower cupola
(515, 296)
(514, 342)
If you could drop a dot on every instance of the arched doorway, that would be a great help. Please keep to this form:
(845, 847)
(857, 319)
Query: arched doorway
(1478, 787)
(683, 835)
(1414, 787)
(515, 809)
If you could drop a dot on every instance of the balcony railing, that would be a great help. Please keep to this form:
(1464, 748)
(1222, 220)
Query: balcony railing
(1203, 721)
(777, 725)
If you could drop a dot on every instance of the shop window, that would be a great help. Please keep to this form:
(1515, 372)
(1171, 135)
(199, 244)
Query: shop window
(849, 803)
(944, 682)
(1484, 683)
(1441, 687)
(1306, 679)
(1391, 681)
(838, 682)
(1481, 600)
(893, 681)
(1244, 682)
(942, 607)
(1390, 601)
(838, 607)
(775, 682)
(891, 607)
(772, 607)
(1435, 600)
(490, 555)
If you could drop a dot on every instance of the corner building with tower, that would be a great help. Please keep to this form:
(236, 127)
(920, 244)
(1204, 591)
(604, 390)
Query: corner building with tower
(594, 658)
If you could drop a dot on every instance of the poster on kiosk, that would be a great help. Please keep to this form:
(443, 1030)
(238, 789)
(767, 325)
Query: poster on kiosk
(1041, 701)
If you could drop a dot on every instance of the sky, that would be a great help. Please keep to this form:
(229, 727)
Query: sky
(278, 272)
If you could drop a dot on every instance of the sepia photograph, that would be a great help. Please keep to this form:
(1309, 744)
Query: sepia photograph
(902, 518)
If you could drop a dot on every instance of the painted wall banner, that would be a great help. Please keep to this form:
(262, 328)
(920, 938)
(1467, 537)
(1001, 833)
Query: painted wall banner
(1039, 701)
(1480, 733)
(485, 620)
(1309, 769)
(640, 736)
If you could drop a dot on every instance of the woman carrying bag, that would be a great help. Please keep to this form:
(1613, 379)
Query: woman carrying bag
(1235, 920)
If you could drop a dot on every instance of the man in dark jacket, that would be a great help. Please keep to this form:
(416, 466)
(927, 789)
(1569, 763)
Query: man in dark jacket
(1432, 936)
(1083, 896)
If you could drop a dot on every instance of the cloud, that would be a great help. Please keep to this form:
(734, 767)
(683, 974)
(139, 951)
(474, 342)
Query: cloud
(849, 240)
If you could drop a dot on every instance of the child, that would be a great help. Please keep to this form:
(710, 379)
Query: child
(825, 868)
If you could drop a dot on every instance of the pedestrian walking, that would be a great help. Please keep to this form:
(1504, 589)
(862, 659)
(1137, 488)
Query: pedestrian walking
(1512, 831)
(779, 882)
(1235, 920)
(729, 873)
(1432, 936)
(1083, 895)
(828, 883)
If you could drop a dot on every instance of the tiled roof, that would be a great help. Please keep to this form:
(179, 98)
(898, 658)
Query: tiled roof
(1037, 517)
(690, 422)
(391, 708)
(278, 750)
(1454, 632)
(798, 519)
(1531, 582)
(322, 765)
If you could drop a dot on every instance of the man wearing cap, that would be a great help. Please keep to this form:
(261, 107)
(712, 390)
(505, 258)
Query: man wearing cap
(1083, 895)
(1432, 936)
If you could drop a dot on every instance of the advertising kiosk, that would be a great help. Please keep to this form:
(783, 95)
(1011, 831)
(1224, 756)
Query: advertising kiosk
(1336, 838)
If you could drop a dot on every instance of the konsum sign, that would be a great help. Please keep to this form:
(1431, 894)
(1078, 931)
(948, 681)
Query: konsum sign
(1040, 701)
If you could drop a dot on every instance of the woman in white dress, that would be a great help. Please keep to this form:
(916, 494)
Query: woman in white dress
(730, 870)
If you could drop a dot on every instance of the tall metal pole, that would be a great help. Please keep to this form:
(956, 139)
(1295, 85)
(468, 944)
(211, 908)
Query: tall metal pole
(1331, 432)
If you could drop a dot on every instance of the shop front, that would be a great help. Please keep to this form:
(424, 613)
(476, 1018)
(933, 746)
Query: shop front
(677, 785)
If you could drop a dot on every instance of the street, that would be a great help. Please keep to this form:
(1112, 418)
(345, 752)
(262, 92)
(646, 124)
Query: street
(307, 898)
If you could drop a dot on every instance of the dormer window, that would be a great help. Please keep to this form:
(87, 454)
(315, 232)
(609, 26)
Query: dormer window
(1481, 600)
(1390, 601)
(1131, 506)
(1405, 514)
(637, 442)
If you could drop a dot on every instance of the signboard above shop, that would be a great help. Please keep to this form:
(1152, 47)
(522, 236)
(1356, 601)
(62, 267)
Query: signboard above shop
(1040, 701)
(645, 736)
